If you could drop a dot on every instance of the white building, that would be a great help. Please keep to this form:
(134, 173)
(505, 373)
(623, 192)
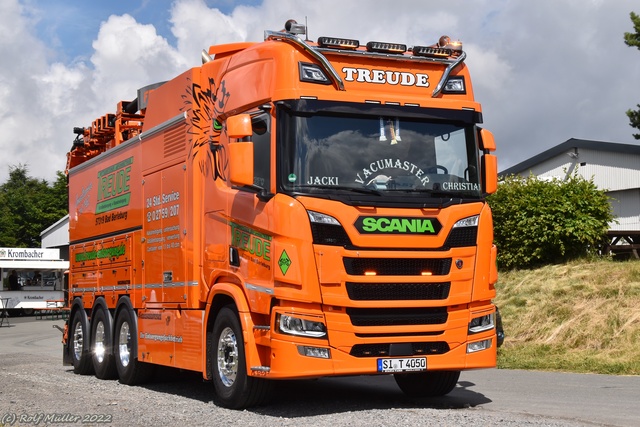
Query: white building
(613, 167)
(41, 272)
(57, 236)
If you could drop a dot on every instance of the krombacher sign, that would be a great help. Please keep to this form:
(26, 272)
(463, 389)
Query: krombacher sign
(397, 225)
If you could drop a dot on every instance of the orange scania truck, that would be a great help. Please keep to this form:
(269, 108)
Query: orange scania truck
(288, 209)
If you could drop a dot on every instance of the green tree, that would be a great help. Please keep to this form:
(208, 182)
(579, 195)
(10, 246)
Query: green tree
(28, 206)
(633, 39)
(544, 222)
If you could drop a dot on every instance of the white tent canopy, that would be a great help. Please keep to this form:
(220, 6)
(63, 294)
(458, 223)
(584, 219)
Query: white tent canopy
(34, 265)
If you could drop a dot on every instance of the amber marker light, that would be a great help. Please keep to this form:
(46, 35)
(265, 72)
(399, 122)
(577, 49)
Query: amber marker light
(370, 273)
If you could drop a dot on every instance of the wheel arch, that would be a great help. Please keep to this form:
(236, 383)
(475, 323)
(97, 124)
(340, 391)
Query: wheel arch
(224, 294)
(101, 304)
(76, 304)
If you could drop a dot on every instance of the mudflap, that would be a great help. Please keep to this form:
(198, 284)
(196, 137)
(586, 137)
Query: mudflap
(499, 328)
(66, 355)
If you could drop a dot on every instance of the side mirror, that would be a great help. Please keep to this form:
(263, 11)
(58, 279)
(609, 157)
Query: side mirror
(239, 126)
(241, 163)
(487, 142)
(489, 173)
(240, 152)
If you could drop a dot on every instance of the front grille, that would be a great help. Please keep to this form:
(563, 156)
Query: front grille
(461, 237)
(397, 316)
(397, 266)
(398, 291)
(381, 350)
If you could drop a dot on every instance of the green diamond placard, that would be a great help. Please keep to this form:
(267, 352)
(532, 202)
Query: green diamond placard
(284, 262)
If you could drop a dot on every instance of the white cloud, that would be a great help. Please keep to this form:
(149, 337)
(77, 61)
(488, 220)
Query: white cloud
(545, 71)
(195, 26)
(129, 55)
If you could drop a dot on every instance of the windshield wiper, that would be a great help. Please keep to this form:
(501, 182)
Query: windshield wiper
(361, 190)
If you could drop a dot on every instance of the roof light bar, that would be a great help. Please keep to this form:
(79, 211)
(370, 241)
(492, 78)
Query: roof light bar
(338, 43)
(431, 51)
(443, 49)
(383, 47)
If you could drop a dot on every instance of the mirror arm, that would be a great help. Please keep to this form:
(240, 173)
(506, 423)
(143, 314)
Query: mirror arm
(262, 194)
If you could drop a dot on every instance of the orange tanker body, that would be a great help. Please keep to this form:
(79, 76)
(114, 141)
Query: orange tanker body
(289, 209)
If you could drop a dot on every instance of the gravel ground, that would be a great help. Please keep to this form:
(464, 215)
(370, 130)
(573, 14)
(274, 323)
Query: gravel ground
(35, 389)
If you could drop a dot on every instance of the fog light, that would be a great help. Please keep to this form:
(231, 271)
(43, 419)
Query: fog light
(298, 326)
(319, 352)
(473, 347)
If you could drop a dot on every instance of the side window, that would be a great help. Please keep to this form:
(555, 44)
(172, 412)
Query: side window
(261, 125)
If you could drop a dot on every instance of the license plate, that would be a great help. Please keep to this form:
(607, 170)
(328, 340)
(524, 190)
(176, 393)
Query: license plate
(402, 364)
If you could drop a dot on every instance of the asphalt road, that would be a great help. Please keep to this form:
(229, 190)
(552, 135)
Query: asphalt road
(571, 399)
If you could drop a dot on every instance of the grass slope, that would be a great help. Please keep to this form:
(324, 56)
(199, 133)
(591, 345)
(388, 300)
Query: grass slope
(577, 317)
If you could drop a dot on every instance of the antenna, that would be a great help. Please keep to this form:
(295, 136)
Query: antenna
(306, 24)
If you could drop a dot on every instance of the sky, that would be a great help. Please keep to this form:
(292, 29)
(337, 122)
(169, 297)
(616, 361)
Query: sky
(544, 71)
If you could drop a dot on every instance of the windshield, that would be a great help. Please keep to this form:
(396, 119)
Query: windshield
(385, 154)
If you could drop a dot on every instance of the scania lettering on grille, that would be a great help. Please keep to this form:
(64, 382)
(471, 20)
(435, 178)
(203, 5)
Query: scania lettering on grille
(397, 225)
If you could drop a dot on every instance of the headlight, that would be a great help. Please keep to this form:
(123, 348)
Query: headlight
(327, 230)
(471, 221)
(289, 324)
(320, 218)
(482, 323)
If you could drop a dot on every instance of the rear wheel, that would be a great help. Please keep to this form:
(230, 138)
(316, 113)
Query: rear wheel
(130, 370)
(102, 345)
(427, 384)
(79, 345)
(234, 388)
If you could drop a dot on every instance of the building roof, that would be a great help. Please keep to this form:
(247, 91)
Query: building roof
(567, 146)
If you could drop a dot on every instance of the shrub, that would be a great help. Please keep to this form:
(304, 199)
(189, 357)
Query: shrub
(545, 222)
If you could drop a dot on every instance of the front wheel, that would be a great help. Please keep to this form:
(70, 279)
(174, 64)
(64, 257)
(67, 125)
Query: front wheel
(234, 388)
(427, 384)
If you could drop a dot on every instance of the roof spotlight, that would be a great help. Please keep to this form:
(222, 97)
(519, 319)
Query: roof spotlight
(292, 27)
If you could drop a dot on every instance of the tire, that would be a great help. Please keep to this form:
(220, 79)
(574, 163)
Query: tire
(79, 347)
(234, 388)
(130, 370)
(102, 356)
(427, 384)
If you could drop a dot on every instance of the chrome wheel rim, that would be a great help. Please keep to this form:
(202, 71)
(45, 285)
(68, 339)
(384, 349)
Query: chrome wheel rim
(100, 347)
(78, 340)
(228, 357)
(124, 344)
